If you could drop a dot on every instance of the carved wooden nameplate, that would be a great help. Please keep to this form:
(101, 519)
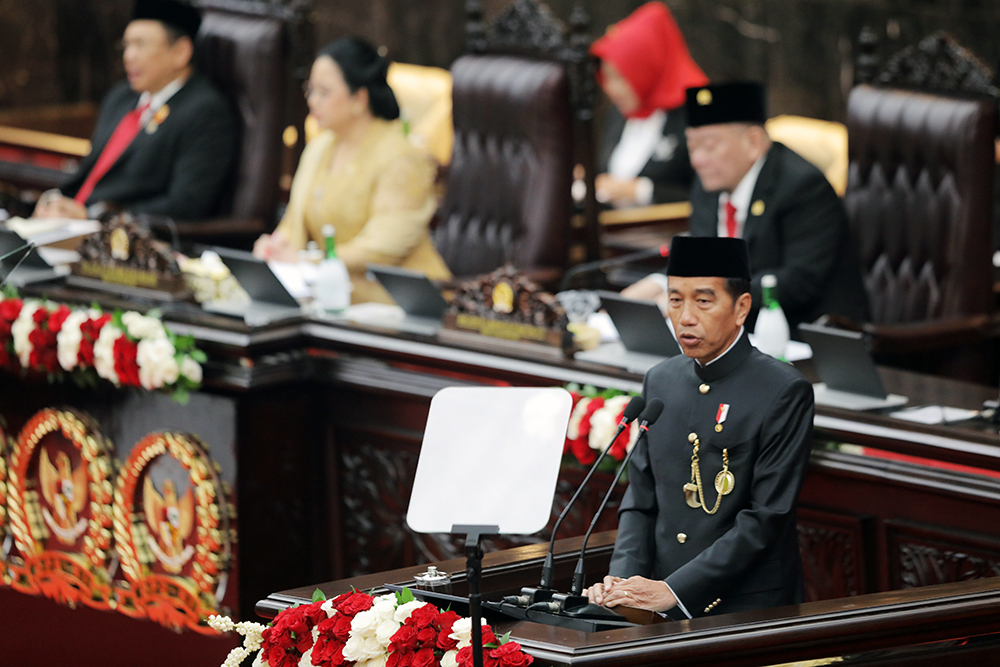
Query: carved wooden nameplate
(508, 306)
(124, 258)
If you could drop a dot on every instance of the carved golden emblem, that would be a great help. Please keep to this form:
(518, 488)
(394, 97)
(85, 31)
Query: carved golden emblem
(170, 521)
(704, 97)
(119, 244)
(65, 492)
(758, 207)
(503, 298)
(60, 503)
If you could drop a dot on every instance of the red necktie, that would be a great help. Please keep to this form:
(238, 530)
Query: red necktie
(730, 220)
(123, 135)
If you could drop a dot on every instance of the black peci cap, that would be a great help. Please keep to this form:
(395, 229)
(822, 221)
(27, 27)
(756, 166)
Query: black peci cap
(735, 102)
(708, 257)
(178, 15)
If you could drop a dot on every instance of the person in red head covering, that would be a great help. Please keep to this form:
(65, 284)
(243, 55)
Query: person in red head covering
(645, 67)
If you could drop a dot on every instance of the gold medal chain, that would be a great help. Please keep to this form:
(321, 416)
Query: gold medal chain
(696, 475)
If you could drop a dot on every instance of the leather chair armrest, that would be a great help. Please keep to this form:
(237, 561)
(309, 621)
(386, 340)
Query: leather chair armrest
(923, 336)
(221, 226)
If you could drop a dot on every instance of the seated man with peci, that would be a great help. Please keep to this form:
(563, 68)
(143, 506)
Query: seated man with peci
(165, 141)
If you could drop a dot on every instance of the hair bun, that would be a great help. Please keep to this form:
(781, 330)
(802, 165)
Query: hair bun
(363, 67)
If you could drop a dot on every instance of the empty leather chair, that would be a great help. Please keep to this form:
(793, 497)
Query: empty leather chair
(919, 198)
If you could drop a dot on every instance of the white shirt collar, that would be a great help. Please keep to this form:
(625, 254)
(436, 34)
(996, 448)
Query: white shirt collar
(731, 346)
(638, 141)
(159, 98)
(740, 198)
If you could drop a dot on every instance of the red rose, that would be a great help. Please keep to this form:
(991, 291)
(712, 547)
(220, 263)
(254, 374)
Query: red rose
(4, 357)
(57, 318)
(445, 621)
(10, 309)
(427, 636)
(424, 658)
(355, 603)
(399, 658)
(423, 617)
(464, 656)
(405, 639)
(4, 330)
(126, 365)
(488, 636)
(41, 314)
(511, 655)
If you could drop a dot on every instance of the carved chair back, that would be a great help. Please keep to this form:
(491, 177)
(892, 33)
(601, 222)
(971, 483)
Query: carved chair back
(522, 100)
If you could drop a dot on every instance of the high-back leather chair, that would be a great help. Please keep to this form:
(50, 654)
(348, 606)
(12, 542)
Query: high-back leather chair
(517, 138)
(919, 199)
(251, 52)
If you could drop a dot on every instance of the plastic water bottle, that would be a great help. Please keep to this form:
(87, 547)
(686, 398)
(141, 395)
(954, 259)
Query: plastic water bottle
(771, 330)
(332, 288)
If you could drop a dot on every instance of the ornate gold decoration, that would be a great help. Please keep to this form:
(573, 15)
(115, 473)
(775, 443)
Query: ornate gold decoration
(173, 553)
(694, 492)
(503, 298)
(119, 244)
(704, 97)
(62, 534)
(682, 538)
(758, 207)
(4, 577)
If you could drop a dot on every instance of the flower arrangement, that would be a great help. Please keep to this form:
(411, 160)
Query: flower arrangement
(125, 348)
(593, 422)
(355, 628)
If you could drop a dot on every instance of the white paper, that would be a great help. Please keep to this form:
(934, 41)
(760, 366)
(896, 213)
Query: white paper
(292, 276)
(934, 414)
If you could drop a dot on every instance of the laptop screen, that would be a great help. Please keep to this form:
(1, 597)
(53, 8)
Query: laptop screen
(843, 361)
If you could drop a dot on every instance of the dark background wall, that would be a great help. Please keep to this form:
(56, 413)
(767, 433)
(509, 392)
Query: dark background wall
(64, 51)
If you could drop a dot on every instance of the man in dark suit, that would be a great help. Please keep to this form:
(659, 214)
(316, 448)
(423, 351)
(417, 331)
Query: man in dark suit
(165, 140)
(707, 524)
(788, 213)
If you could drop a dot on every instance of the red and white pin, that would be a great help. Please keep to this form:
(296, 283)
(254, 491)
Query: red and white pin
(720, 416)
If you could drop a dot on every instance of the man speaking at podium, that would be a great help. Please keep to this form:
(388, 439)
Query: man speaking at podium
(165, 140)
(707, 524)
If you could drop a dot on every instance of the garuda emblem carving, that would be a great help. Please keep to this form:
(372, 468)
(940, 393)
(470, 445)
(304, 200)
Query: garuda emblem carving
(65, 491)
(170, 521)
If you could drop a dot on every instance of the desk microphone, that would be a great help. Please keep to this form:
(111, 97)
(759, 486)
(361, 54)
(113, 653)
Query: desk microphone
(648, 418)
(632, 411)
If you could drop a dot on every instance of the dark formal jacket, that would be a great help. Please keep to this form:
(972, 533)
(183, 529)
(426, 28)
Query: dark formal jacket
(799, 233)
(669, 167)
(746, 555)
(176, 168)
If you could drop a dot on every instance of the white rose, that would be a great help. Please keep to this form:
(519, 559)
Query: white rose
(326, 606)
(377, 661)
(364, 623)
(372, 648)
(139, 326)
(104, 352)
(384, 632)
(352, 649)
(22, 327)
(580, 409)
(633, 435)
(384, 606)
(449, 659)
(69, 338)
(157, 365)
(461, 631)
(191, 369)
(604, 422)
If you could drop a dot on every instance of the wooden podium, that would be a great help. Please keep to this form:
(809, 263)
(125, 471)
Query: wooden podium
(933, 625)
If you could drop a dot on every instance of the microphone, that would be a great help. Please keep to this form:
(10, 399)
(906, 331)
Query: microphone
(632, 410)
(604, 264)
(648, 418)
